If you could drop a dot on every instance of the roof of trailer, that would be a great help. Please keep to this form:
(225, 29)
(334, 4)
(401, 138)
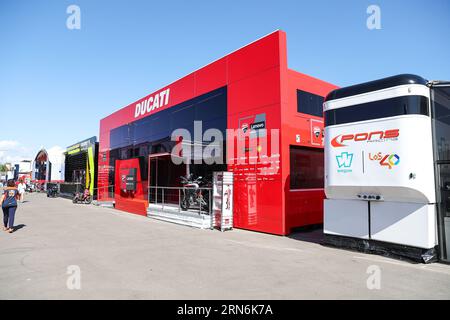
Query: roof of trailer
(375, 85)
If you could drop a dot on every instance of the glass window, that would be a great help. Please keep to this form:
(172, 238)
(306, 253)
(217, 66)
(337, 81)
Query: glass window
(142, 130)
(151, 134)
(309, 103)
(441, 122)
(160, 126)
(113, 156)
(306, 168)
(182, 118)
(212, 107)
(378, 109)
(126, 153)
(143, 150)
(119, 137)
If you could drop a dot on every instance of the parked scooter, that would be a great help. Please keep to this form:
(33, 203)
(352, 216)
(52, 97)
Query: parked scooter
(52, 192)
(192, 194)
(84, 198)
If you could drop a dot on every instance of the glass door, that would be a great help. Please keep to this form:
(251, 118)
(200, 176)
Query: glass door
(440, 111)
(164, 179)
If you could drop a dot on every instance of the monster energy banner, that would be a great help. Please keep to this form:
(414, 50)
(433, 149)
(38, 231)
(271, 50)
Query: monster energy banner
(81, 146)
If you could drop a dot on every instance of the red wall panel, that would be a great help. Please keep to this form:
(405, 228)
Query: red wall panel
(302, 207)
(211, 77)
(130, 201)
(258, 91)
(255, 57)
(258, 196)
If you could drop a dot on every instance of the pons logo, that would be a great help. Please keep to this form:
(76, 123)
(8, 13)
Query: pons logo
(344, 161)
(153, 102)
(374, 136)
(389, 160)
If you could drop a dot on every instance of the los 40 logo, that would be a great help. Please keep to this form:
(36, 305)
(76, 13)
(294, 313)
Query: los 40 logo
(389, 160)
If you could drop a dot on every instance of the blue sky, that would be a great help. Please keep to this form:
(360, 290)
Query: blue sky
(56, 84)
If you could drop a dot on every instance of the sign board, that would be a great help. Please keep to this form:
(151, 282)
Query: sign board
(255, 125)
(128, 179)
(81, 146)
(391, 158)
(131, 180)
(223, 200)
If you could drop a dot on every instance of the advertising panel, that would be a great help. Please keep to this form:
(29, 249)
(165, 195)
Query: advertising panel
(389, 158)
(223, 200)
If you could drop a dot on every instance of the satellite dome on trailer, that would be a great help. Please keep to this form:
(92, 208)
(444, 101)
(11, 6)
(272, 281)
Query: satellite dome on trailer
(153, 102)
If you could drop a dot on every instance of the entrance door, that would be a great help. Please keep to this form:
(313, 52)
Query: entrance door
(440, 111)
(164, 178)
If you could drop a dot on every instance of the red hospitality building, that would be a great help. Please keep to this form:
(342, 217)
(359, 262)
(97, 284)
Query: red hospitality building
(250, 90)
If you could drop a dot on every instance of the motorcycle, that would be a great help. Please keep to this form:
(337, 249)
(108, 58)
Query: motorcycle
(84, 198)
(192, 194)
(52, 192)
(39, 187)
(29, 188)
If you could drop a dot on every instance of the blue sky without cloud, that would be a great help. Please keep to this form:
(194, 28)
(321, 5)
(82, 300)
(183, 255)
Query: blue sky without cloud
(56, 84)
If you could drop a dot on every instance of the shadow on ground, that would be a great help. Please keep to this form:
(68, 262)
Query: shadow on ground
(312, 234)
(18, 227)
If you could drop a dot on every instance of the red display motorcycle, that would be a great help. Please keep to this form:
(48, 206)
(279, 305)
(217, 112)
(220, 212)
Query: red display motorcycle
(193, 194)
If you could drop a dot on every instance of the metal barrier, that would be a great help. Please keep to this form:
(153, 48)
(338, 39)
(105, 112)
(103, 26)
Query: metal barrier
(69, 189)
(109, 189)
(165, 203)
(172, 196)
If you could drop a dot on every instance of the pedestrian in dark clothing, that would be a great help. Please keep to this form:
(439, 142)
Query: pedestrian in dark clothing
(9, 205)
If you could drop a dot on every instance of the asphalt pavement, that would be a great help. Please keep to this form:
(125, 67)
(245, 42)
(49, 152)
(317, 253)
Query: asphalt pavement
(67, 251)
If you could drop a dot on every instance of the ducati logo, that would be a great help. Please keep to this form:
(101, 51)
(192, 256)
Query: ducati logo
(154, 102)
(340, 140)
(316, 131)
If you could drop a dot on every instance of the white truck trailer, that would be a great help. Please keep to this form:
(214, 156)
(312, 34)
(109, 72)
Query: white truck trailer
(387, 167)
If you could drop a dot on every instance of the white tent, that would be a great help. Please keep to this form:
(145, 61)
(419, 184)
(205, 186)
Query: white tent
(48, 165)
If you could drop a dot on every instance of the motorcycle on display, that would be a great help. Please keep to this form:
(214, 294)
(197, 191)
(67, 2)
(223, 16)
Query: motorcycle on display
(192, 194)
(52, 192)
(84, 198)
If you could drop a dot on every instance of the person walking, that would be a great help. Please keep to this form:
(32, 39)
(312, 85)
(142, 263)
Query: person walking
(9, 205)
(21, 188)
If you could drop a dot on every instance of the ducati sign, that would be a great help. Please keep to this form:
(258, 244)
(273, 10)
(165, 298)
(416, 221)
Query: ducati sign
(153, 102)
